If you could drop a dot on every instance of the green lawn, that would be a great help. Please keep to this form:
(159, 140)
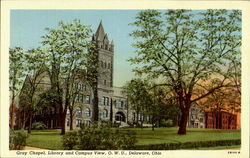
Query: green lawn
(51, 139)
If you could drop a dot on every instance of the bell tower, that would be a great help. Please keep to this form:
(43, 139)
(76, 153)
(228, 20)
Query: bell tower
(105, 50)
(105, 53)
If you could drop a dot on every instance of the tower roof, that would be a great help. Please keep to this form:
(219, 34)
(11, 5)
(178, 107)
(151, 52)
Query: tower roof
(100, 34)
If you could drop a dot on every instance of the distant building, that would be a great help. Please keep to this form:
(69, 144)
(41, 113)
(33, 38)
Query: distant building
(221, 120)
(196, 117)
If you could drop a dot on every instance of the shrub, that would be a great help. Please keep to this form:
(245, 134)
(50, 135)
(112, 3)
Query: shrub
(38, 126)
(17, 139)
(70, 140)
(188, 145)
(167, 123)
(102, 138)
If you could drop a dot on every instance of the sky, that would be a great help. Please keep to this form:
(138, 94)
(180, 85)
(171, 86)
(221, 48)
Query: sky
(27, 27)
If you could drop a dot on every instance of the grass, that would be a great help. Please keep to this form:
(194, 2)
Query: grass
(51, 139)
(233, 147)
(168, 135)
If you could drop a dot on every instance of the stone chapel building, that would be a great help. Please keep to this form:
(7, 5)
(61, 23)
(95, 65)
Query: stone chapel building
(112, 104)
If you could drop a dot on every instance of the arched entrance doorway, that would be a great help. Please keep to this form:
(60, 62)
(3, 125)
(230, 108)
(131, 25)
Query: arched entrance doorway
(119, 116)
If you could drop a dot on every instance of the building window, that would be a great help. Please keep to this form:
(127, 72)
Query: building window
(107, 101)
(108, 65)
(87, 112)
(87, 99)
(140, 117)
(201, 119)
(78, 123)
(125, 104)
(102, 64)
(68, 122)
(105, 113)
(105, 65)
(78, 111)
(87, 122)
(79, 98)
(104, 82)
(103, 100)
(121, 104)
(133, 117)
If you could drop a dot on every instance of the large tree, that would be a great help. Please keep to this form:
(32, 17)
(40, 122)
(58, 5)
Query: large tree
(185, 49)
(33, 85)
(137, 92)
(16, 78)
(67, 47)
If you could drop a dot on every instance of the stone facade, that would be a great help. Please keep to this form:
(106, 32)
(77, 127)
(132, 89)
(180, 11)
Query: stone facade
(196, 117)
(112, 105)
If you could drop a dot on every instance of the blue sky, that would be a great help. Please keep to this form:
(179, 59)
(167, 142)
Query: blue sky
(27, 27)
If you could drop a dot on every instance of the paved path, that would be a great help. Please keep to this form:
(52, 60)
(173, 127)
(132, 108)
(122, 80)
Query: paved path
(33, 148)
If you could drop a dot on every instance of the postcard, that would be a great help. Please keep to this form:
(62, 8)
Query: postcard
(125, 79)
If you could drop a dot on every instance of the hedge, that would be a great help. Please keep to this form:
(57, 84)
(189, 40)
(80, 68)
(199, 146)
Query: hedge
(188, 145)
(17, 139)
(98, 138)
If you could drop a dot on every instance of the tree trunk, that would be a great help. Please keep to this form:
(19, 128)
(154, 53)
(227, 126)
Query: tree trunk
(63, 118)
(183, 122)
(19, 120)
(25, 118)
(137, 118)
(30, 122)
(153, 127)
(111, 111)
(71, 119)
(95, 105)
(12, 116)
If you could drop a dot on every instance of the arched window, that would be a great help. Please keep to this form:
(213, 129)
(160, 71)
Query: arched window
(108, 65)
(105, 65)
(87, 99)
(78, 111)
(87, 112)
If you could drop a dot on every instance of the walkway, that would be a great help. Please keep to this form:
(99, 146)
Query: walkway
(33, 148)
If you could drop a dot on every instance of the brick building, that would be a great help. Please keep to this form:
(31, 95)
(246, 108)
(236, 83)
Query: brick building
(221, 120)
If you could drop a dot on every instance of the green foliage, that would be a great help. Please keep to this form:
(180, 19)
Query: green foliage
(189, 145)
(17, 139)
(67, 50)
(167, 123)
(16, 69)
(70, 140)
(103, 138)
(39, 126)
(138, 95)
(186, 49)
